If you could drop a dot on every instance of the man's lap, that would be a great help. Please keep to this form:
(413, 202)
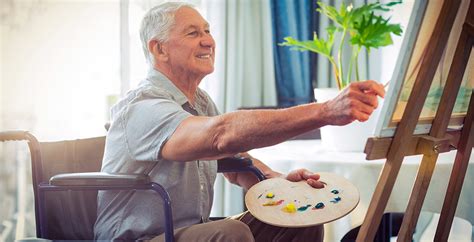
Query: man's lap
(244, 227)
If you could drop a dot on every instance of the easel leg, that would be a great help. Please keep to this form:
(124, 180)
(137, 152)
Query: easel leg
(417, 197)
(405, 129)
(439, 127)
(458, 173)
(379, 199)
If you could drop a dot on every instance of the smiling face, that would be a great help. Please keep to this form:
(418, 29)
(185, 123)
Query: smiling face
(190, 46)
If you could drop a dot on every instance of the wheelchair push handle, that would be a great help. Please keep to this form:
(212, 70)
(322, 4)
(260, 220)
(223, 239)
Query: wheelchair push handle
(14, 135)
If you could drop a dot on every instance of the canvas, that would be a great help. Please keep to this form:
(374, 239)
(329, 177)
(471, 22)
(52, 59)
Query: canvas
(414, 46)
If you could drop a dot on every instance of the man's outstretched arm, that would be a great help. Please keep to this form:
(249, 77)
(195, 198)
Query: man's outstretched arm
(228, 134)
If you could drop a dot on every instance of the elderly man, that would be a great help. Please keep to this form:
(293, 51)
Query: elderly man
(171, 130)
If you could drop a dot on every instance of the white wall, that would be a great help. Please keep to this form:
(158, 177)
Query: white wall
(59, 62)
(1, 79)
(400, 14)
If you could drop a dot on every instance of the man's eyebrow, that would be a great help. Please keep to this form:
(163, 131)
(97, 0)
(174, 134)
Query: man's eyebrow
(193, 26)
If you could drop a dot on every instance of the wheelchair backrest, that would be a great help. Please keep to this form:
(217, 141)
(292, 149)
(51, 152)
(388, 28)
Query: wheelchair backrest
(68, 214)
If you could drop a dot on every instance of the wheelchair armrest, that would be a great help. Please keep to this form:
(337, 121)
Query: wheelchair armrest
(239, 164)
(98, 179)
(108, 181)
(233, 163)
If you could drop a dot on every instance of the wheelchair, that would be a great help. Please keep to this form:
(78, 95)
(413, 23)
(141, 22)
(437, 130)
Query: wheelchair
(66, 178)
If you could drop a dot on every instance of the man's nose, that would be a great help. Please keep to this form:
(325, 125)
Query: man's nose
(208, 41)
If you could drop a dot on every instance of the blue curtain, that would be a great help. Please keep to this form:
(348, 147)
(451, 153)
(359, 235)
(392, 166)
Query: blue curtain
(293, 69)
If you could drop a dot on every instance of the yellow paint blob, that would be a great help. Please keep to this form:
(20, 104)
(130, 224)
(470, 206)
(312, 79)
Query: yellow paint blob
(270, 195)
(290, 208)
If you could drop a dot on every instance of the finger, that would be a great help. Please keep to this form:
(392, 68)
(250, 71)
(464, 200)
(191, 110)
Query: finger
(371, 87)
(366, 109)
(367, 98)
(314, 176)
(361, 116)
(296, 175)
(315, 184)
(306, 174)
(359, 110)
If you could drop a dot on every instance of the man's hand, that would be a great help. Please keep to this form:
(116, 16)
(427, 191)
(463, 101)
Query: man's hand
(356, 102)
(302, 174)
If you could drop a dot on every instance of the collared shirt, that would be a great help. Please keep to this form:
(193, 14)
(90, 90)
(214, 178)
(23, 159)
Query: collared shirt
(141, 124)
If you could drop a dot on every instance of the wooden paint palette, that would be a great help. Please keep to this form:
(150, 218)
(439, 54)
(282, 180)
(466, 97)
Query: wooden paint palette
(339, 197)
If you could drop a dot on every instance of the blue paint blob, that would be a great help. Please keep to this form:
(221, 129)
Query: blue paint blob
(336, 200)
(319, 206)
(303, 208)
(335, 191)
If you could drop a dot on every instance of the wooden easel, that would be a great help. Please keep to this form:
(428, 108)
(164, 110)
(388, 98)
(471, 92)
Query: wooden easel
(438, 141)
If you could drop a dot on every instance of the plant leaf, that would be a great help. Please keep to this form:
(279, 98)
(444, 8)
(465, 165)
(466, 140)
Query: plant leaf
(373, 31)
(342, 17)
(365, 28)
(318, 45)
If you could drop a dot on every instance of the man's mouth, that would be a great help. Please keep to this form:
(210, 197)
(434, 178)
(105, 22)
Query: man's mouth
(204, 56)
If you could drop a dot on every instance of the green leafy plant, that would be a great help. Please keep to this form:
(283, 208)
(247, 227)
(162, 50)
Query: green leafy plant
(362, 25)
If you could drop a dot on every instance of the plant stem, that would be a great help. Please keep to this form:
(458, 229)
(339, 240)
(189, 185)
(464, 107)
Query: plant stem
(357, 63)
(339, 57)
(336, 74)
(353, 58)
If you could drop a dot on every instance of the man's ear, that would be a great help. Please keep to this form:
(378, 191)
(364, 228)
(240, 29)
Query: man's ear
(157, 50)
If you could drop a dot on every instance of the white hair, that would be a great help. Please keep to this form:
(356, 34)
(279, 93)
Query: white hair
(157, 23)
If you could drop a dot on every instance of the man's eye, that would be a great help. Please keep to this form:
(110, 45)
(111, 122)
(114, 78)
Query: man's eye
(207, 31)
(193, 33)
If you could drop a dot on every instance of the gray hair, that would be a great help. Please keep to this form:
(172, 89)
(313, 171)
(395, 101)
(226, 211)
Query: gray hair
(157, 23)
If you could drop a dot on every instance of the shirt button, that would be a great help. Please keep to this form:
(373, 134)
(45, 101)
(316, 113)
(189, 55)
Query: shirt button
(202, 187)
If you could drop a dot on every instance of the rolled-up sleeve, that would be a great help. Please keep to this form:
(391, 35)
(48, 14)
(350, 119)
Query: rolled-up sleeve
(148, 124)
